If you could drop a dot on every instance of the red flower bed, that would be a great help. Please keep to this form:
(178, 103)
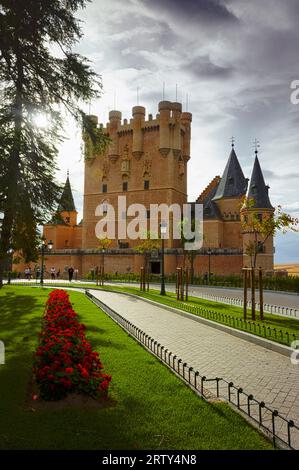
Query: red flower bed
(64, 360)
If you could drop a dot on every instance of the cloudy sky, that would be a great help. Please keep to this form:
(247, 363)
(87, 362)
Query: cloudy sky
(235, 59)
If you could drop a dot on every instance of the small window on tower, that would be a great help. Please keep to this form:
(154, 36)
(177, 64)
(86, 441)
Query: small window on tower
(260, 217)
(146, 184)
(67, 219)
(125, 186)
(104, 188)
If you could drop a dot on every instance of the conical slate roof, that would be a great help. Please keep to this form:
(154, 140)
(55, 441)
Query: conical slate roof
(233, 182)
(258, 191)
(66, 202)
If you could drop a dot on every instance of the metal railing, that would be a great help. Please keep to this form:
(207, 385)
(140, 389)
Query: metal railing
(283, 432)
(269, 308)
(268, 332)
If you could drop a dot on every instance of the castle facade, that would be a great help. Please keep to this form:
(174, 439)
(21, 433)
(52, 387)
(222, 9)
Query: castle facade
(146, 161)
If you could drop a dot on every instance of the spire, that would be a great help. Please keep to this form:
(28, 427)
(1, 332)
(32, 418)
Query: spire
(66, 202)
(233, 183)
(257, 190)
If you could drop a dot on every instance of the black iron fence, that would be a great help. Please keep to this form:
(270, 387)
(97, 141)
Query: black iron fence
(268, 332)
(283, 432)
(269, 308)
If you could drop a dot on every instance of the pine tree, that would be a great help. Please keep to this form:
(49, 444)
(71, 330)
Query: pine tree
(39, 74)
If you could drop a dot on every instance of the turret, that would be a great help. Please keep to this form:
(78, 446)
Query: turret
(176, 114)
(186, 119)
(138, 113)
(164, 111)
(66, 208)
(258, 205)
(114, 124)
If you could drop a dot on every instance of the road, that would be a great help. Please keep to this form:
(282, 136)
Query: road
(270, 297)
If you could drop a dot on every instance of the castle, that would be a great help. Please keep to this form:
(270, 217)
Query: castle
(147, 162)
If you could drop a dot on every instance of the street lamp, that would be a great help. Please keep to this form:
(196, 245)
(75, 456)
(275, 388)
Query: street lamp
(163, 231)
(9, 252)
(209, 272)
(44, 247)
(103, 264)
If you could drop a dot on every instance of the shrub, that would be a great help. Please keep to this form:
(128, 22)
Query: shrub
(64, 360)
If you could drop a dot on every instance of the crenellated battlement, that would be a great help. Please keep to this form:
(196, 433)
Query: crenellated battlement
(172, 125)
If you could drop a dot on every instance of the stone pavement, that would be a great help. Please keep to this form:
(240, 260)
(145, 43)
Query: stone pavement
(269, 376)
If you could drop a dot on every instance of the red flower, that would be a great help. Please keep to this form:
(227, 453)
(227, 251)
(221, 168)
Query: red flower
(84, 372)
(64, 350)
(104, 385)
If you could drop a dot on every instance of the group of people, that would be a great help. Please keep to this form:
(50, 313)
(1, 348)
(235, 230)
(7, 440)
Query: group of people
(54, 274)
(71, 272)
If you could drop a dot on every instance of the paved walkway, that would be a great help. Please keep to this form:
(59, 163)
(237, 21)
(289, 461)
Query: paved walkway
(268, 375)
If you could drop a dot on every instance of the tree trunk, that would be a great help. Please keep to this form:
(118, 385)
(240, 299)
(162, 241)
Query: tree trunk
(253, 294)
(13, 166)
(192, 269)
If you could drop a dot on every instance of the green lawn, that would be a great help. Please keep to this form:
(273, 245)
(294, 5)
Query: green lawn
(152, 408)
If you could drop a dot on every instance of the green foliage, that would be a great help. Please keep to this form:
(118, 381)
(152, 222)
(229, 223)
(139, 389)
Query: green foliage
(264, 225)
(96, 142)
(104, 244)
(39, 75)
(148, 244)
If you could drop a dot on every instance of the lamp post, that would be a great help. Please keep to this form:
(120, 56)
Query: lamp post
(103, 253)
(44, 247)
(163, 230)
(9, 252)
(209, 271)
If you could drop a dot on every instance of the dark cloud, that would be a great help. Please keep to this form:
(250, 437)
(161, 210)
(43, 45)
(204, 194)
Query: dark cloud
(234, 58)
(203, 67)
(208, 11)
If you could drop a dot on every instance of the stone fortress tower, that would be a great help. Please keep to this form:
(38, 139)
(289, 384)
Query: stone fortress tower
(146, 162)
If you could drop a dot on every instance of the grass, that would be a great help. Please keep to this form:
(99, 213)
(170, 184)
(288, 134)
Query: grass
(153, 409)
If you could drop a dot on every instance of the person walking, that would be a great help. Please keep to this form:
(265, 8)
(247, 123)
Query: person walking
(58, 274)
(27, 274)
(53, 272)
(71, 273)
